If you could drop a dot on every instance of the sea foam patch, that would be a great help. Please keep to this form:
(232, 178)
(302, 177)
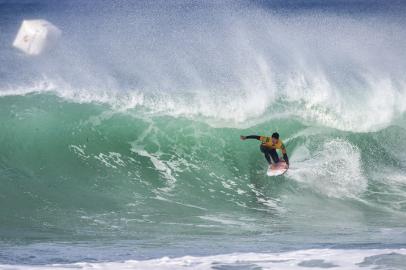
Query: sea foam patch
(334, 169)
(293, 260)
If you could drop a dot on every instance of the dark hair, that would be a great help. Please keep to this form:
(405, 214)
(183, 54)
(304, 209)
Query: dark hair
(275, 135)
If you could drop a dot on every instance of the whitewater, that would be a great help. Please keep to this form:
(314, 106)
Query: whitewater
(120, 148)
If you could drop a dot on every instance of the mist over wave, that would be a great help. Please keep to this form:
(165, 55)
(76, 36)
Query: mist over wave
(230, 63)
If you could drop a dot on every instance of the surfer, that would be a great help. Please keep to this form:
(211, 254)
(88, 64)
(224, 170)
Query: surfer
(269, 146)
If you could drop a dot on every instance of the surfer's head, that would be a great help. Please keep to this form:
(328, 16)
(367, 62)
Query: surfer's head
(275, 137)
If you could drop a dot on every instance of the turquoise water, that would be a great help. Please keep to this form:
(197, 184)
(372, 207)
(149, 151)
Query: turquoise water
(123, 142)
(89, 175)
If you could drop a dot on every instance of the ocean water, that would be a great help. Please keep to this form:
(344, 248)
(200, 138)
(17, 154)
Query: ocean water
(120, 149)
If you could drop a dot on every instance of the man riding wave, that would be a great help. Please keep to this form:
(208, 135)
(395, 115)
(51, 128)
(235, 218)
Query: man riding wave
(269, 146)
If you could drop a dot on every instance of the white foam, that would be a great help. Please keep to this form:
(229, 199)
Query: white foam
(161, 166)
(111, 159)
(79, 150)
(43, 85)
(247, 108)
(331, 70)
(334, 169)
(343, 259)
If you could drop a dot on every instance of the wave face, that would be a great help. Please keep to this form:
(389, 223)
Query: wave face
(128, 132)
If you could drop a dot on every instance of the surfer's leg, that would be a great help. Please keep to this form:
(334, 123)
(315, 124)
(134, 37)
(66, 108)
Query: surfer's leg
(274, 155)
(266, 153)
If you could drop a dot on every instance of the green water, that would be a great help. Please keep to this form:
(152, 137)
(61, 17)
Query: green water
(72, 171)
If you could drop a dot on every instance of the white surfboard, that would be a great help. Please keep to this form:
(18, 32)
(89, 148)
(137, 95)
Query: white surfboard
(277, 169)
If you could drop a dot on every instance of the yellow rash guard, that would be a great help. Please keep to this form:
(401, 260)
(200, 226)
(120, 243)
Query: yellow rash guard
(267, 142)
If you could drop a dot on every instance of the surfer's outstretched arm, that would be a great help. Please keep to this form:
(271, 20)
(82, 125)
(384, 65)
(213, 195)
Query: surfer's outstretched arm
(251, 137)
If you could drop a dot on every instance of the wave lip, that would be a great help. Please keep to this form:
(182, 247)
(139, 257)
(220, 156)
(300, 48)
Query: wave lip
(227, 63)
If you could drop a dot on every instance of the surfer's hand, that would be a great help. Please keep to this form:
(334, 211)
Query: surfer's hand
(243, 138)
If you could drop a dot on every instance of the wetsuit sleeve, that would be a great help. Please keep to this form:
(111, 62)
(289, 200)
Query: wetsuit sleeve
(253, 137)
(283, 148)
(285, 155)
(285, 158)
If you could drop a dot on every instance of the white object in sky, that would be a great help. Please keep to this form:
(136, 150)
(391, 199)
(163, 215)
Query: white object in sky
(35, 36)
